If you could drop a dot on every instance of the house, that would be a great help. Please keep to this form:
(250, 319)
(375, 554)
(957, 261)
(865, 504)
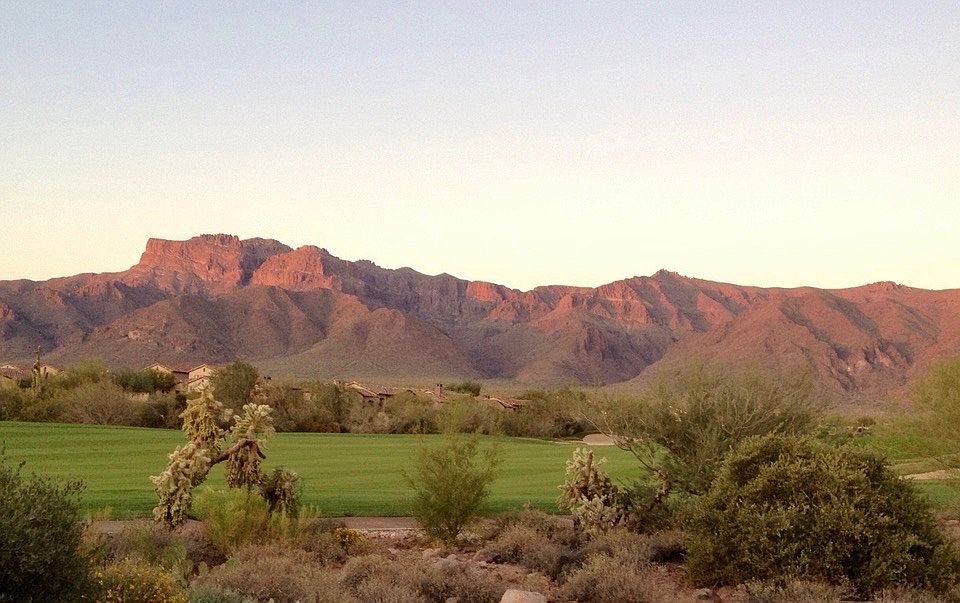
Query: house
(203, 370)
(199, 383)
(10, 376)
(180, 376)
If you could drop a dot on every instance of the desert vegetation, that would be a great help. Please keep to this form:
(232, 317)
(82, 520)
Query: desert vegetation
(729, 485)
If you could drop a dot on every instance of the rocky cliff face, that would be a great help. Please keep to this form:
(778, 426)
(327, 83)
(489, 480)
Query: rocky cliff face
(305, 311)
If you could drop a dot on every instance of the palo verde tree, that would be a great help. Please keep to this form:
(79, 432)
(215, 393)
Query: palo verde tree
(241, 447)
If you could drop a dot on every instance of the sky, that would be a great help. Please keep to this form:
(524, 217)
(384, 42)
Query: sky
(764, 143)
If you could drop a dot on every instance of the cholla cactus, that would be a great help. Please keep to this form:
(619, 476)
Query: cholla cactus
(590, 495)
(200, 421)
(189, 464)
(282, 491)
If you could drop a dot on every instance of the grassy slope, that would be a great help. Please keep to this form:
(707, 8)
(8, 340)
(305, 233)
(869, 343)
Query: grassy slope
(343, 474)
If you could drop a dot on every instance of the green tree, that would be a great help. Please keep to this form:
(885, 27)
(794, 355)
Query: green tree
(41, 535)
(451, 483)
(938, 394)
(234, 383)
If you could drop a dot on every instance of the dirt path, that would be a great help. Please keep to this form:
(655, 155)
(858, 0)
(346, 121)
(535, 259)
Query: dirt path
(366, 524)
(938, 474)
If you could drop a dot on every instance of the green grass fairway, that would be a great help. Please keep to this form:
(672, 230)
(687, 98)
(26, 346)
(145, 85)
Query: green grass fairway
(343, 474)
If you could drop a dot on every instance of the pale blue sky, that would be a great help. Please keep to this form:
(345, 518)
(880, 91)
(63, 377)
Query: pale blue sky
(768, 143)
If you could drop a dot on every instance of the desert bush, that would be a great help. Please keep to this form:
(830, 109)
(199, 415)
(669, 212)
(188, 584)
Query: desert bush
(785, 508)
(215, 594)
(81, 373)
(409, 413)
(467, 386)
(42, 557)
(660, 547)
(136, 581)
(461, 582)
(12, 402)
(234, 383)
(547, 414)
(607, 579)
(330, 542)
(794, 591)
(466, 415)
(681, 430)
(99, 403)
(162, 410)
(336, 404)
(376, 578)
(450, 484)
(532, 549)
(937, 392)
(281, 573)
(154, 545)
(239, 517)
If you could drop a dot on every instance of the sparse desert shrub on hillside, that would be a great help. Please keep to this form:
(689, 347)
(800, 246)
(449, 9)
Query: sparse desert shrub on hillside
(376, 578)
(42, 557)
(466, 415)
(682, 429)
(786, 508)
(466, 387)
(450, 484)
(136, 581)
(101, 403)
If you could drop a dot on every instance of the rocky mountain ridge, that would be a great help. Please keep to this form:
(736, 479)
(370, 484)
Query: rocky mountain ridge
(304, 311)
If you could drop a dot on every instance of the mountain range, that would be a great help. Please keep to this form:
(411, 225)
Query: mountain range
(305, 312)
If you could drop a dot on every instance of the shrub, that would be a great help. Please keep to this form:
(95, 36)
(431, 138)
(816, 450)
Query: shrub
(466, 415)
(283, 574)
(152, 544)
(41, 537)
(531, 549)
(547, 414)
(99, 403)
(215, 594)
(683, 428)
(466, 387)
(240, 517)
(409, 413)
(136, 581)
(163, 410)
(661, 547)
(461, 582)
(450, 484)
(375, 578)
(607, 579)
(12, 402)
(795, 591)
(785, 508)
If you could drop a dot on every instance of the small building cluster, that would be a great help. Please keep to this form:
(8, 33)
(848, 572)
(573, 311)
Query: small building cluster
(195, 379)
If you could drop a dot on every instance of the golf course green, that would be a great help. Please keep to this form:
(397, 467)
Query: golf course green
(343, 474)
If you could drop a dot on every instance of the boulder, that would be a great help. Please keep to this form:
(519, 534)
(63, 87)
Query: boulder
(522, 596)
